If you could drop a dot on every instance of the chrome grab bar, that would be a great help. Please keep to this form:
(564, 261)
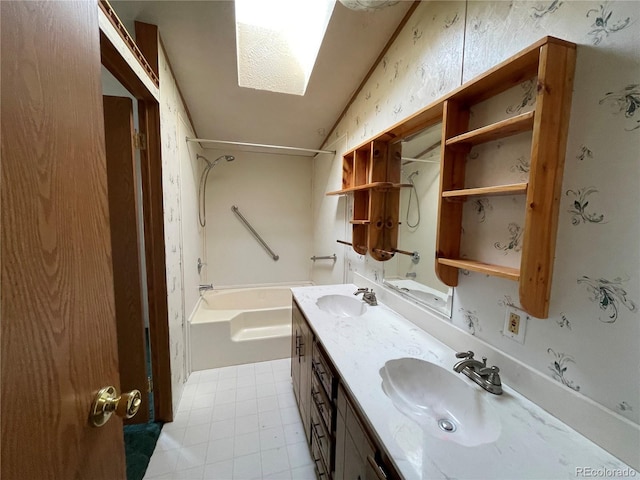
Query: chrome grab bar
(326, 257)
(235, 210)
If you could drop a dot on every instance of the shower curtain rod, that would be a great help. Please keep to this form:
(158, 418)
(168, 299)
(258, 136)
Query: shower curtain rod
(245, 144)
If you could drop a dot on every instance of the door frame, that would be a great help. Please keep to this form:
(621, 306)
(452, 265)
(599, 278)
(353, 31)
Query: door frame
(152, 205)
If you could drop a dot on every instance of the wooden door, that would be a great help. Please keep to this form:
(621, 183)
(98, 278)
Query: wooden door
(125, 246)
(58, 316)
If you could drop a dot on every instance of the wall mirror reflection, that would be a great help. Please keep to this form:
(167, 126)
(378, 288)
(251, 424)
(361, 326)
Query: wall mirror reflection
(414, 276)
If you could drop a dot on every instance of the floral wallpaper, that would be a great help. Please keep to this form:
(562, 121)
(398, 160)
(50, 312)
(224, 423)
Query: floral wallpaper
(593, 327)
(170, 104)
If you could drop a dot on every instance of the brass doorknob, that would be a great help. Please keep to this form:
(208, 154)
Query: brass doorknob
(107, 402)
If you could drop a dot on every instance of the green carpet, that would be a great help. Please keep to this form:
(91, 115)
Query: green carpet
(139, 443)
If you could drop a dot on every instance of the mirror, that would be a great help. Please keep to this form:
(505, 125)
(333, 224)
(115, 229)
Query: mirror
(414, 276)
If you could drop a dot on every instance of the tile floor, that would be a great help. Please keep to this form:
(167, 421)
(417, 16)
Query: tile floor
(238, 422)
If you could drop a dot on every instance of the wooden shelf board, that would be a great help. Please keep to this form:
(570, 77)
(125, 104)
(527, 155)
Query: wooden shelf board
(505, 128)
(511, 189)
(359, 222)
(512, 71)
(370, 186)
(509, 73)
(495, 270)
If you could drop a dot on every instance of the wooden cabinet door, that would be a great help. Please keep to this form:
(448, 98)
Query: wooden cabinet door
(301, 355)
(296, 338)
(306, 353)
(58, 320)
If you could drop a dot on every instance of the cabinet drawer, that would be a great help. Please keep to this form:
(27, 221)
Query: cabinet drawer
(325, 374)
(321, 437)
(322, 403)
(322, 472)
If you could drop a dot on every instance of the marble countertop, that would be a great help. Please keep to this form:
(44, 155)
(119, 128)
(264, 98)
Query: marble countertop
(532, 443)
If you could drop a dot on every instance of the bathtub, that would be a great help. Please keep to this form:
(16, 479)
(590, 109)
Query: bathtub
(236, 326)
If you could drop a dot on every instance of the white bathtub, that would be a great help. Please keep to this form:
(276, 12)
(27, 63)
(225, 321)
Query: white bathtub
(233, 327)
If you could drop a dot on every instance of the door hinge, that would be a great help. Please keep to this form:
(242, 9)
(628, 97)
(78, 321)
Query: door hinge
(140, 141)
(149, 384)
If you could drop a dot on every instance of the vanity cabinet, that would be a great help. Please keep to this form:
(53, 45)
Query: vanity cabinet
(357, 456)
(324, 383)
(301, 351)
(340, 444)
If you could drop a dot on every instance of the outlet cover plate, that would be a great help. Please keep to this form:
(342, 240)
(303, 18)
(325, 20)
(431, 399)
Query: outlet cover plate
(520, 318)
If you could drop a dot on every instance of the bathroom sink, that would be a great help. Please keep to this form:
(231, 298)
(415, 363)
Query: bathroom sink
(341, 305)
(441, 402)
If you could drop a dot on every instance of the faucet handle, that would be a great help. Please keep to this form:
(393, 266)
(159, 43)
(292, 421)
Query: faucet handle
(489, 370)
(493, 378)
(468, 355)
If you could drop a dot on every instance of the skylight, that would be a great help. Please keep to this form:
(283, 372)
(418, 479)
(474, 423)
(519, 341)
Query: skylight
(278, 41)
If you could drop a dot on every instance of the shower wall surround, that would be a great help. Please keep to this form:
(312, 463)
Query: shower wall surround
(273, 192)
(591, 340)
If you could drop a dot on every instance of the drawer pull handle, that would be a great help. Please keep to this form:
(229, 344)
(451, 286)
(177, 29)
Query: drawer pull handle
(319, 471)
(314, 394)
(318, 368)
(377, 469)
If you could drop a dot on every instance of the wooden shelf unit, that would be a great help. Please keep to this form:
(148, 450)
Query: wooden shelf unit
(553, 61)
(371, 172)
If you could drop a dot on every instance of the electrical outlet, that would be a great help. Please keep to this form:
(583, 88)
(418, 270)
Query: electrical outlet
(515, 324)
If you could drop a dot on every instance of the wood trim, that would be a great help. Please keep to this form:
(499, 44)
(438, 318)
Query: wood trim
(152, 201)
(130, 42)
(548, 149)
(384, 51)
(155, 254)
(147, 41)
(119, 68)
(125, 248)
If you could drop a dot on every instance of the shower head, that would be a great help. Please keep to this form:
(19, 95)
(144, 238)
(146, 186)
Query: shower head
(228, 158)
(412, 175)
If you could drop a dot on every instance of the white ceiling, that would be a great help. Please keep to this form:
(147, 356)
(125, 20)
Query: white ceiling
(199, 37)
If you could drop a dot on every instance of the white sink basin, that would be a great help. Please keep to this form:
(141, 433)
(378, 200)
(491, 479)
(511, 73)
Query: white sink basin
(441, 402)
(341, 305)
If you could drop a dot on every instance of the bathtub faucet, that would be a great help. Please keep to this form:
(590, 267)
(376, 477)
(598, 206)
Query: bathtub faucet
(205, 287)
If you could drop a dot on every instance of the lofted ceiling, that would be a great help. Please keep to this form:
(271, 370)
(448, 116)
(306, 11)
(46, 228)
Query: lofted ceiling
(199, 38)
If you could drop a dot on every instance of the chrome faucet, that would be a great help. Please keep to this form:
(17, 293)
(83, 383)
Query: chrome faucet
(369, 296)
(487, 377)
(204, 287)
